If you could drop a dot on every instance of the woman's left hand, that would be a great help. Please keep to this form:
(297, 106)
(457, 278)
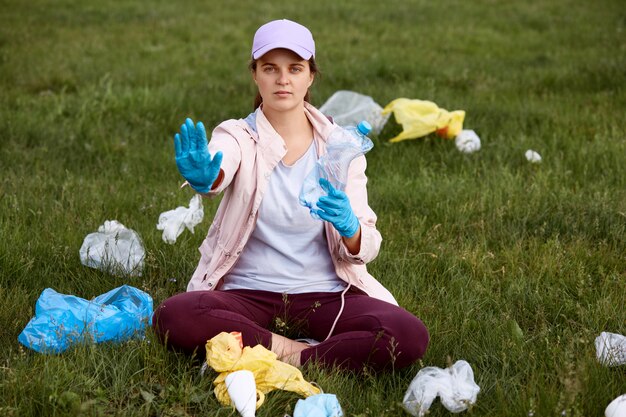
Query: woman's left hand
(335, 208)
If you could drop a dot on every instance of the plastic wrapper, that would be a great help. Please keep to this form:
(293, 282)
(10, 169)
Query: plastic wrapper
(64, 320)
(611, 349)
(343, 145)
(348, 108)
(173, 222)
(454, 385)
(420, 118)
(114, 249)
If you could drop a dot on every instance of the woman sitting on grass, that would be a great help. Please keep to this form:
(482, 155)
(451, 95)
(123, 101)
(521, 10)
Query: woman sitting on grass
(266, 262)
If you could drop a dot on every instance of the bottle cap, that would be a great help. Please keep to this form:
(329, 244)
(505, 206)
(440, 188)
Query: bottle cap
(364, 127)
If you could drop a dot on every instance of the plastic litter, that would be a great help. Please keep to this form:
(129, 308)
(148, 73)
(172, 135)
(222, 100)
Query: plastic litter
(617, 407)
(173, 222)
(242, 391)
(454, 385)
(611, 349)
(225, 354)
(348, 108)
(420, 118)
(114, 249)
(64, 320)
(343, 145)
(467, 141)
(320, 405)
(532, 156)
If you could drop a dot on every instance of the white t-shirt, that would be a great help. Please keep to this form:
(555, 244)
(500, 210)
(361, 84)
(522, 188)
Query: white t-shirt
(287, 251)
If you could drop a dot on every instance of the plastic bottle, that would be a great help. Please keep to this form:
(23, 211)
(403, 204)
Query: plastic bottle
(343, 145)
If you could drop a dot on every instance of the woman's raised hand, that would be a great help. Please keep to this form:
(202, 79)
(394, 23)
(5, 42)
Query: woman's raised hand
(193, 159)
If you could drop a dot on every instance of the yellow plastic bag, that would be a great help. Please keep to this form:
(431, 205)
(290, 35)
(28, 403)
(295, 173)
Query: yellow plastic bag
(226, 354)
(420, 118)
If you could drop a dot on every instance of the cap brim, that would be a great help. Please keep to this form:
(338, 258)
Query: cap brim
(302, 52)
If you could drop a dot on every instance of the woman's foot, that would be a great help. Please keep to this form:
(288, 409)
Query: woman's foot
(288, 350)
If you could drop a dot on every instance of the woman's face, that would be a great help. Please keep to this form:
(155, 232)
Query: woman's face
(283, 79)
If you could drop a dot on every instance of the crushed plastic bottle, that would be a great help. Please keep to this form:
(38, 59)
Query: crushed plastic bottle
(343, 145)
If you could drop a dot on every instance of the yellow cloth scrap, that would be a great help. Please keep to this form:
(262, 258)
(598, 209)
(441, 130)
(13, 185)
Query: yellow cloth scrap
(420, 118)
(225, 354)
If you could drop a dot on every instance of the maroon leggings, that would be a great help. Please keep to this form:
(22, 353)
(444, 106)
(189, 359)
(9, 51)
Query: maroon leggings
(369, 334)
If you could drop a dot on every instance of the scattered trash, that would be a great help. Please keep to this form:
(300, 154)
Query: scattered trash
(242, 391)
(533, 156)
(347, 108)
(320, 405)
(467, 141)
(617, 407)
(173, 222)
(114, 249)
(611, 349)
(420, 118)
(63, 320)
(226, 354)
(455, 385)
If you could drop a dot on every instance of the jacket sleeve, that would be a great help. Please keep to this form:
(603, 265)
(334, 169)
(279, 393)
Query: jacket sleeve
(222, 140)
(356, 190)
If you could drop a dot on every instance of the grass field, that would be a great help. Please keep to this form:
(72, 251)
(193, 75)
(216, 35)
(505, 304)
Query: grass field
(514, 267)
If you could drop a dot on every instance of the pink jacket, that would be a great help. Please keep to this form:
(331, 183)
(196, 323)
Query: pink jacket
(248, 160)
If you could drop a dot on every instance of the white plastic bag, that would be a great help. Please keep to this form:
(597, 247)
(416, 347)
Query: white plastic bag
(467, 141)
(173, 222)
(611, 349)
(532, 156)
(617, 407)
(455, 385)
(348, 108)
(114, 249)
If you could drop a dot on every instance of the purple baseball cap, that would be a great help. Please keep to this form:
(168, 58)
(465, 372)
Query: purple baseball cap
(283, 34)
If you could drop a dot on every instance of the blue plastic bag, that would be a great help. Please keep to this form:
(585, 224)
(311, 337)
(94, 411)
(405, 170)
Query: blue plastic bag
(64, 320)
(320, 405)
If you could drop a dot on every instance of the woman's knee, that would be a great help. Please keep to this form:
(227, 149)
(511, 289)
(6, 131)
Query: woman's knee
(408, 339)
(175, 319)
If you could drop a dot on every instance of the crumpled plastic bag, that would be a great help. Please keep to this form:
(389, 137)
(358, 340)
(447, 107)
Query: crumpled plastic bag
(420, 118)
(225, 353)
(467, 141)
(611, 349)
(64, 320)
(114, 249)
(532, 156)
(348, 108)
(617, 407)
(173, 222)
(454, 385)
(320, 405)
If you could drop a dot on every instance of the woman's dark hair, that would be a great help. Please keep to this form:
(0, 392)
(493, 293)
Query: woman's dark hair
(258, 99)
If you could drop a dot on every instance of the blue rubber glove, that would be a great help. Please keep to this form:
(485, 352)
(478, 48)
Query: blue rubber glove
(335, 208)
(193, 159)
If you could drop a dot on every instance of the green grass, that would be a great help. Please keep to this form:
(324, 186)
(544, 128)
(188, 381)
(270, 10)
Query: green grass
(514, 267)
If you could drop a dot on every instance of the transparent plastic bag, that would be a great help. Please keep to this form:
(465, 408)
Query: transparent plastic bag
(454, 385)
(611, 349)
(114, 249)
(173, 222)
(347, 108)
(64, 320)
(343, 145)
